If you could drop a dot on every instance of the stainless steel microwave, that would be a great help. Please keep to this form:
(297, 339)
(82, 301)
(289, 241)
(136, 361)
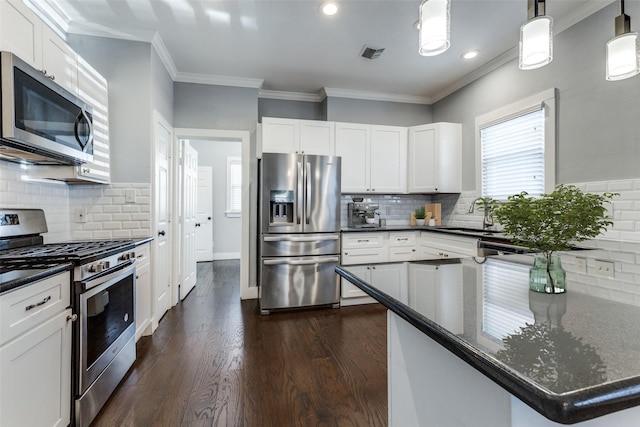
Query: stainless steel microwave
(41, 122)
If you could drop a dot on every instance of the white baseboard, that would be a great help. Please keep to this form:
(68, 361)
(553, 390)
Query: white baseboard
(225, 255)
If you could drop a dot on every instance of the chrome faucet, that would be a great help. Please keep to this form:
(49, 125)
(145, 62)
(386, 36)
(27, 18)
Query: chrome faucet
(487, 220)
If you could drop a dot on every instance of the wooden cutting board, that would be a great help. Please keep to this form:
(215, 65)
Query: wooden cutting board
(436, 210)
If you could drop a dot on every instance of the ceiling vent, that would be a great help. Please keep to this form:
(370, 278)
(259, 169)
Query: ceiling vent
(371, 52)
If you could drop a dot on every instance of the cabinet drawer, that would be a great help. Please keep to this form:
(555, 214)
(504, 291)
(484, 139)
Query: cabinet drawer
(402, 239)
(362, 240)
(363, 256)
(399, 254)
(142, 255)
(459, 245)
(27, 307)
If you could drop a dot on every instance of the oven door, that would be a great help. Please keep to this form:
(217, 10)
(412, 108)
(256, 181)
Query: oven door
(107, 321)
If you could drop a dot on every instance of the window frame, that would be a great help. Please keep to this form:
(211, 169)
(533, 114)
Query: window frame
(229, 212)
(546, 99)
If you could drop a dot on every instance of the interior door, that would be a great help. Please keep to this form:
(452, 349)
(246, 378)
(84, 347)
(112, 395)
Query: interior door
(162, 280)
(204, 233)
(189, 215)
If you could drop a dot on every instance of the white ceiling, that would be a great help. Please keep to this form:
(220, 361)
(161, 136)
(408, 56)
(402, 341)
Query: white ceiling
(289, 46)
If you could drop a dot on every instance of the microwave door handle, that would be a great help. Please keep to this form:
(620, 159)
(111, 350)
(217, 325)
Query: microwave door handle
(299, 196)
(81, 116)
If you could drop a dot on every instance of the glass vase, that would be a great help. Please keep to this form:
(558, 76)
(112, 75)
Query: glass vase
(547, 277)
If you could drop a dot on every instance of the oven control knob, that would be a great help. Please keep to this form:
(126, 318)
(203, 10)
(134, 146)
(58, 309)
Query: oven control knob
(99, 267)
(127, 256)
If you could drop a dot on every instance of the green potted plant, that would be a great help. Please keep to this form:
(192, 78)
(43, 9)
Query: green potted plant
(552, 222)
(420, 215)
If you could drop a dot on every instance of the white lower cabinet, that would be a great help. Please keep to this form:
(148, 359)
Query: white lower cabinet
(35, 365)
(435, 291)
(143, 291)
(443, 246)
(389, 278)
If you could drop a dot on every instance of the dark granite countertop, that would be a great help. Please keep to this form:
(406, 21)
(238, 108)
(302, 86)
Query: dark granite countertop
(460, 231)
(25, 275)
(572, 357)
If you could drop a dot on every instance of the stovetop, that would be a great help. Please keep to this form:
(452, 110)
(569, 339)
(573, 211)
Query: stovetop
(77, 252)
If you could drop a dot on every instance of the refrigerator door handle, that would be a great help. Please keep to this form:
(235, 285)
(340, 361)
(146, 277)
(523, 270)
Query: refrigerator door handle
(299, 197)
(300, 239)
(290, 261)
(307, 180)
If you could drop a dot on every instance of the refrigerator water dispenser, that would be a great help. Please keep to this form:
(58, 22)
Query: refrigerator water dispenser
(281, 211)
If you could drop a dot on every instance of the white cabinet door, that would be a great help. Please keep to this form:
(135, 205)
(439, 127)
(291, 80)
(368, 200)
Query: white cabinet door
(21, 32)
(422, 289)
(59, 61)
(348, 289)
(388, 159)
(434, 160)
(317, 137)
(143, 290)
(390, 279)
(35, 376)
(353, 145)
(280, 135)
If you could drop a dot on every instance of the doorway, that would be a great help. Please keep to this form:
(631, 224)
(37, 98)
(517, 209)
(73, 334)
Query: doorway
(248, 191)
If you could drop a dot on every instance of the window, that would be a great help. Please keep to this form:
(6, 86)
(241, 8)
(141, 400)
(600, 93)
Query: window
(517, 148)
(234, 187)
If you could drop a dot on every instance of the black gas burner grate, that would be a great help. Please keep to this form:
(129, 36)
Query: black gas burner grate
(64, 251)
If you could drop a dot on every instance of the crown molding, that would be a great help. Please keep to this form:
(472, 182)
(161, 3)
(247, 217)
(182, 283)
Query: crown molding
(376, 96)
(209, 79)
(165, 56)
(291, 96)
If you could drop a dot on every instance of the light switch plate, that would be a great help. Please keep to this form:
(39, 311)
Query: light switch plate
(581, 265)
(130, 196)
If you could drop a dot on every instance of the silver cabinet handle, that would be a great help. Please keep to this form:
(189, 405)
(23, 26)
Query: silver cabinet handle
(363, 240)
(300, 239)
(72, 318)
(38, 304)
(300, 262)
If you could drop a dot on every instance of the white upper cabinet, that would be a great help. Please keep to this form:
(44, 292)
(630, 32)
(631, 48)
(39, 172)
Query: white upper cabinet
(59, 61)
(24, 34)
(434, 161)
(21, 32)
(298, 136)
(388, 159)
(374, 158)
(353, 143)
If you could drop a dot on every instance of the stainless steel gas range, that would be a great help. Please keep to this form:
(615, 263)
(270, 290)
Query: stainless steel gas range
(103, 299)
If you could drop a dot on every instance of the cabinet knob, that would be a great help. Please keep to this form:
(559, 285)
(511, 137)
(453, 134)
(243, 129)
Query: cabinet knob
(52, 77)
(374, 267)
(346, 253)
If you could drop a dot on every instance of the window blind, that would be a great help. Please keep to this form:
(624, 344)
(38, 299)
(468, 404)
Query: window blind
(513, 156)
(234, 185)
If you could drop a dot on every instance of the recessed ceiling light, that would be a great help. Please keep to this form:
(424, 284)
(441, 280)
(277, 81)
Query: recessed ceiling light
(329, 8)
(470, 54)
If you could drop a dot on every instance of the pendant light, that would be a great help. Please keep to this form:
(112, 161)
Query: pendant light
(623, 51)
(536, 40)
(434, 27)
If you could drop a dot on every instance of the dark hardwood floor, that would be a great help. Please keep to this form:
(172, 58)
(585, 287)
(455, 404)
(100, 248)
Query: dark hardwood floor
(215, 361)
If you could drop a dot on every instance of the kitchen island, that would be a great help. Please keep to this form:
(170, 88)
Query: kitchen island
(523, 358)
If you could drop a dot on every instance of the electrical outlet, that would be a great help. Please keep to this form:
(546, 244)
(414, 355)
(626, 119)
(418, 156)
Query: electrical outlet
(130, 196)
(604, 268)
(81, 215)
(581, 265)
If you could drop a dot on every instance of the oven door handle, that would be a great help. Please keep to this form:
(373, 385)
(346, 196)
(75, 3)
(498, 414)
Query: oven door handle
(106, 276)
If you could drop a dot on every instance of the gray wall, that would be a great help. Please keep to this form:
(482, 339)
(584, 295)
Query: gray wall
(161, 88)
(598, 136)
(227, 232)
(126, 66)
(290, 109)
(201, 106)
(377, 112)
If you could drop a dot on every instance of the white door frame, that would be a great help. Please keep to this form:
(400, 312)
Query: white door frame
(246, 290)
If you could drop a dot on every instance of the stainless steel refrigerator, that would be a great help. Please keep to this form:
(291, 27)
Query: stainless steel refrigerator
(299, 231)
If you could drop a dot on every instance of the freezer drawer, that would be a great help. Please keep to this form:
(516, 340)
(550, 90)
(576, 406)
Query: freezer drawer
(298, 282)
(291, 245)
